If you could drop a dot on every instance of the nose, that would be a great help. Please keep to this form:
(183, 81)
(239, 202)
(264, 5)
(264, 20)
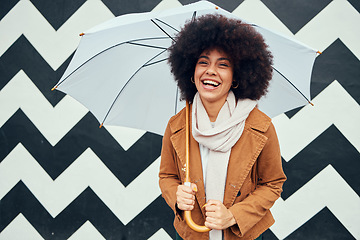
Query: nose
(211, 71)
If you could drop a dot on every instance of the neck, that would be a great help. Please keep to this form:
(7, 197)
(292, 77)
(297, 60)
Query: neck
(213, 108)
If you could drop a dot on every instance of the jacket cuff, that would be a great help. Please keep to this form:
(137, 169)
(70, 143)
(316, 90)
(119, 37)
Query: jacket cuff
(179, 213)
(235, 228)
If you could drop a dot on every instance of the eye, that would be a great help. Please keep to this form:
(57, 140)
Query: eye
(224, 65)
(202, 62)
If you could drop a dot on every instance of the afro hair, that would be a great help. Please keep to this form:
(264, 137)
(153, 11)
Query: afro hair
(251, 59)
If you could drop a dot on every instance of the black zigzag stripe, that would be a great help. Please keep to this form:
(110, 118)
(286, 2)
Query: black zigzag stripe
(337, 63)
(355, 4)
(136, 6)
(330, 66)
(125, 165)
(227, 5)
(86, 207)
(295, 14)
(23, 56)
(57, 12)
(6, 6)
(269, 235)
(331, 147)
(329, 229)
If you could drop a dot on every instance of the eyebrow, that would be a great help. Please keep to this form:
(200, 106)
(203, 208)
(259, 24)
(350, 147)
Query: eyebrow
(219, 59)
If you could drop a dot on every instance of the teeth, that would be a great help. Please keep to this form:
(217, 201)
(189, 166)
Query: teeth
(213, 83)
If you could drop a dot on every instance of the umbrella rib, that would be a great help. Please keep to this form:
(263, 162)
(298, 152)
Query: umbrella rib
(166, 24)
(127, 84)
(293, 85)
(152, 20)
(254, 25)
(129, 42)
(194, 16)
(163, 30)
(145, 45)
(146, 65)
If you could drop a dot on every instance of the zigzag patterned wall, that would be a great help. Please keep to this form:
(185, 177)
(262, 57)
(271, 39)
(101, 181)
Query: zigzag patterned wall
(61, 177)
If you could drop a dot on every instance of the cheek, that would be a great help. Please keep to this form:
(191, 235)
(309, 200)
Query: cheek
(228, 78)
(197, 73)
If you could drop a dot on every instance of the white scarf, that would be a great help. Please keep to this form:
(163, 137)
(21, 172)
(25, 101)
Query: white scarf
(219, 139)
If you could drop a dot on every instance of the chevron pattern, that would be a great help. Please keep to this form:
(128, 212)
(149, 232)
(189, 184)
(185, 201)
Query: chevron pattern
(61, 177)
(314, 195)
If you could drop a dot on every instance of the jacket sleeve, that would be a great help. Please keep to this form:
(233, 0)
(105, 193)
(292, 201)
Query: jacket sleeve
(169, 173)
(268, 188)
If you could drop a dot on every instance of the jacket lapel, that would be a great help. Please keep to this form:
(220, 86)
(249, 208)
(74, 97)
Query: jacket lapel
(244, 154)
(178, 141)
(196, 172)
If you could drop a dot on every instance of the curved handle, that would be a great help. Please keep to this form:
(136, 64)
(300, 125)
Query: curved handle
(187, 215)
(193, 225)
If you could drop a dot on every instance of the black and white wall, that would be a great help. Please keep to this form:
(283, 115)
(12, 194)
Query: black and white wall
(61, 177)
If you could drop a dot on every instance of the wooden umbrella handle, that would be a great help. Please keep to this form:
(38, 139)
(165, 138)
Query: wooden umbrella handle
(187, 215)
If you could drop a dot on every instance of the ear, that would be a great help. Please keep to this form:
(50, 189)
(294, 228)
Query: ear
(234, 84)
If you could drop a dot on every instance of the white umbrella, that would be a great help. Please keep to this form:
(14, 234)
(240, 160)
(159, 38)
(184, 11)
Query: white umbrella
(120, 71)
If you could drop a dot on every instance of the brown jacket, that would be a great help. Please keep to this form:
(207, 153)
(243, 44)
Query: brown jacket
(254, 178)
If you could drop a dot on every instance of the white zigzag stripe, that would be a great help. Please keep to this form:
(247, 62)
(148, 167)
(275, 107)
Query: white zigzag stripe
(20, 229)
(314, 196)
(86, 231)
(333, 105)
(160, 234)
(166, 4)
(52, 122)
(87, 171)
(262, 16)
(337, 20)
(54, 46)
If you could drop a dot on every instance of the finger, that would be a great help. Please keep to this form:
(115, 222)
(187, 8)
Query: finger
(184, 191)
(186, 201)
(185, 196)
(211, 214)
(212, 225)
(211, 208)
(210, 220)
(185, 207)
(214, 202)
(183, 188)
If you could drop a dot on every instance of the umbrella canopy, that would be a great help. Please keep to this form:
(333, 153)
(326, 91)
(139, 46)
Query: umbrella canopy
(120, 71)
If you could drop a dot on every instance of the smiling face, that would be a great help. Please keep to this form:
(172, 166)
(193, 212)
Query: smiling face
(213, 76)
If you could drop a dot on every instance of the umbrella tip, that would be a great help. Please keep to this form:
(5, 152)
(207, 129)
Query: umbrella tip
(216, 7)
(101, 125)
(54, 88)
(319, 52)
(311, 103)
(81, 34)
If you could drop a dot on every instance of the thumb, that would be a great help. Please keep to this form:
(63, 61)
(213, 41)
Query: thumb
(194, 187)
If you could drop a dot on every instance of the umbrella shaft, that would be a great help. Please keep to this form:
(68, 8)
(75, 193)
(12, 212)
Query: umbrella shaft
(187, 142)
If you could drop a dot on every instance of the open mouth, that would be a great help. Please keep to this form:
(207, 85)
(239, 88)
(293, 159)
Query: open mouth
(211, 83)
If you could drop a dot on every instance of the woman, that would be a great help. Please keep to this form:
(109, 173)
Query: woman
(222, 66)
